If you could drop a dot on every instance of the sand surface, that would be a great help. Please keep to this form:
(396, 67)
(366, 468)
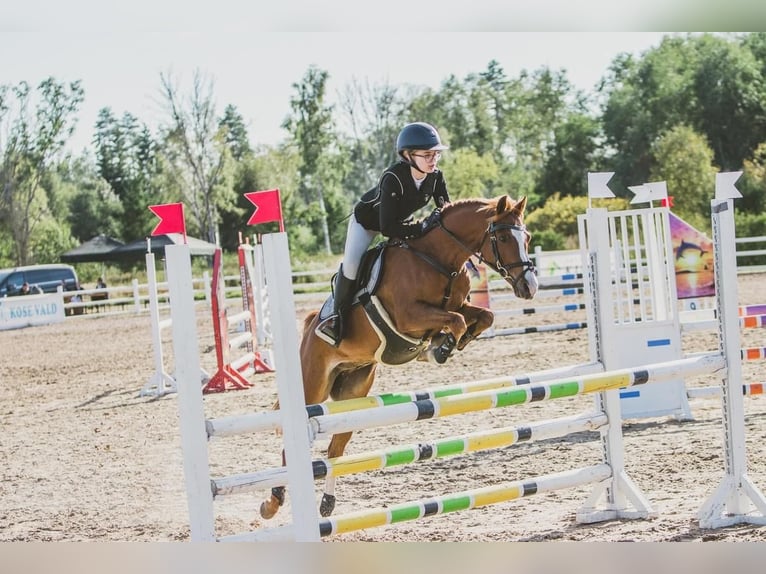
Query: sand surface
(84, 457)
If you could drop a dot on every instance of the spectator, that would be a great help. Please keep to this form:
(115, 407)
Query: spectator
(33, 290)
(77, 297)
(100, 284)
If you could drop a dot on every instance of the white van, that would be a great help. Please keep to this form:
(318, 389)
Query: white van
(47, 277)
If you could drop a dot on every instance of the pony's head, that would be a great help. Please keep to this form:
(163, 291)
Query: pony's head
(509, 242)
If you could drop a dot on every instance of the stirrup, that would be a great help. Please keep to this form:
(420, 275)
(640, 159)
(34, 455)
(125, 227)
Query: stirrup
(328, 329)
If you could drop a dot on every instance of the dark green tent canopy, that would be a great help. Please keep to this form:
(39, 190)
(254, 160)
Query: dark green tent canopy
(136, 250)
(96, 249)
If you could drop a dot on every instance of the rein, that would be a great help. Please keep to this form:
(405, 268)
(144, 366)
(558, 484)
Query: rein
(504, 269)
(450, 275)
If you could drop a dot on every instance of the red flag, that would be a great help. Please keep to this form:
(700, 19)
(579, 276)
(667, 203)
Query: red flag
(667, 202)
(268, 207)
(171, 218)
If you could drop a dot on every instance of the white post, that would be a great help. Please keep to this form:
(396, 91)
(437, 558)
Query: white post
(730, 503)
(136, 297)
(610, 499)
(160, 382)
(190, 406)
(292, 403)
(263, 326)
(206, 287)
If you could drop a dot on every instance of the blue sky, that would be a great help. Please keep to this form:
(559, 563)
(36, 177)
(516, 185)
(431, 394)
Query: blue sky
(254, 57)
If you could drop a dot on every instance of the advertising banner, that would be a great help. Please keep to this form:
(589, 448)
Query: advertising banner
(26, 310)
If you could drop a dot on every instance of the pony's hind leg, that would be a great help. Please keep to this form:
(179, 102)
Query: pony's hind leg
(348, 385)
(337, 445)
(270, 506)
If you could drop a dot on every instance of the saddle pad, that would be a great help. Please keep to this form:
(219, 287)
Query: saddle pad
(394, 348)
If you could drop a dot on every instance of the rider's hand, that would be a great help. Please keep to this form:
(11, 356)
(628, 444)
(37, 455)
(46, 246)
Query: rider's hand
(433, 220)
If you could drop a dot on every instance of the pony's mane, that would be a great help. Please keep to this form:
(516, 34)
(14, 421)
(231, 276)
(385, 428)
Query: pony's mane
(480, 204)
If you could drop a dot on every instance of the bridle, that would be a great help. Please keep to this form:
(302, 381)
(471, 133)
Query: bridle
(504, 269)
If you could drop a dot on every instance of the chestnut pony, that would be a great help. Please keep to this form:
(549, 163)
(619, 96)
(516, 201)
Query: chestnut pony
(423, 287)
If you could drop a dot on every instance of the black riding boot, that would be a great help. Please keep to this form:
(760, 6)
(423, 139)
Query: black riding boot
(331, 329)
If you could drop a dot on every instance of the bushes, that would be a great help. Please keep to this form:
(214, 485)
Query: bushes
(558, 218)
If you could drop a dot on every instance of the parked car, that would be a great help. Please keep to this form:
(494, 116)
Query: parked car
(47, 277)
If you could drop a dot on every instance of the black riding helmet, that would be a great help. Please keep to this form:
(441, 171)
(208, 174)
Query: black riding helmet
(418, 135)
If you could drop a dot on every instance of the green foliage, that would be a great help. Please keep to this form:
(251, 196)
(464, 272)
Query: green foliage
(29, 146)
(683, 160)
(469, 174)
(313, 129)
(50, 240)
(752, 184)
(549, 240)
(127, 159)
(559, 214)
(571, 155)
(710, 83)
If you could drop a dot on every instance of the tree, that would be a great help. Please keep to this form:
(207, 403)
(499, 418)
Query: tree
(92, 207)
(570, 156)
(753, 182)
(196, 151)
(684, 160)
(469, 174)
(374, 115)
(708, 82)
(730, 98)
(312, 128)
(127, 158)
(29, 143)
(235, 133)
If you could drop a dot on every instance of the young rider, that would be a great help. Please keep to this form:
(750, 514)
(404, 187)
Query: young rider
(402, 189)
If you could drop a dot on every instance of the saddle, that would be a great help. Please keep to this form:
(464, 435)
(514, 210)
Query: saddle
(395, 348)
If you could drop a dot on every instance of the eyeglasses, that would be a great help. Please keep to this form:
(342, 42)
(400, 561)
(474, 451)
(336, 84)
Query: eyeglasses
(429, 156)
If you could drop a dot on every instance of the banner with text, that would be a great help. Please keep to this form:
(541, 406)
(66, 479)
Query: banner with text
(27, 310)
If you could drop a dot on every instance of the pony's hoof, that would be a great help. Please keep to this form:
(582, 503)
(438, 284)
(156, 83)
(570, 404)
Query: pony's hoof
(327, 505)
(443, 351)
(269, 509)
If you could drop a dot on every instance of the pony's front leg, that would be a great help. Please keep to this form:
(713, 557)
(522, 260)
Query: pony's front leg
(450, 324)
(477, 321)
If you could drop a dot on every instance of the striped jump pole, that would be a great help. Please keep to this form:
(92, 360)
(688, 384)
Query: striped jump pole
(536, 329)
(566, 292)
(270, 420)
(748, 390)
(327, 425)
(402, 455)
(747, 310)
(429, 507)
(538, 310)
(465, 500)
(553, 282)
